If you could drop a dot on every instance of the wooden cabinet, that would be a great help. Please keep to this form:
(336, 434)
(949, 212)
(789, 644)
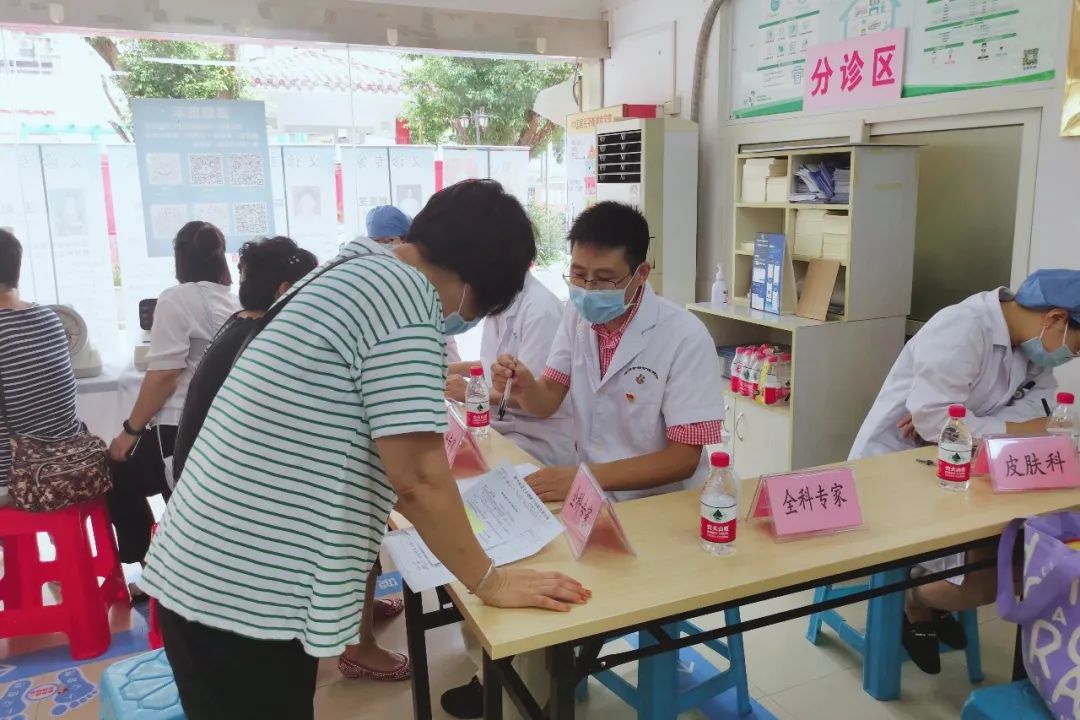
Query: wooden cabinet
(760, 437)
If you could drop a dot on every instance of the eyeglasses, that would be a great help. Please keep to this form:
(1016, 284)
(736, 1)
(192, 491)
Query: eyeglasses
(583, 282)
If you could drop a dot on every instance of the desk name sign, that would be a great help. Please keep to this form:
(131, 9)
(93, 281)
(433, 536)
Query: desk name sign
(456, 436)
(808, 503)
(589, 516)
(1037, 462)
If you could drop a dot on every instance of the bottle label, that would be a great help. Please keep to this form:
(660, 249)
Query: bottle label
(954, 462)
(477, 415)
(718, 524)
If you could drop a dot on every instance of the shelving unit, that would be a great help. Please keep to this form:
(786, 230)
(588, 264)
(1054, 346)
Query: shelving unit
(838, 365)
(875, 276)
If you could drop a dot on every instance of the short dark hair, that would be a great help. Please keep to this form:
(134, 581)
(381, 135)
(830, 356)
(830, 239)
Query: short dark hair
(10, 259)
(613, 225)
(199, 251)
(482, 233)
(265, 264)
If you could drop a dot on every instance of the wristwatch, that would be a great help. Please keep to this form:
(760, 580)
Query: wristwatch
(132, 431)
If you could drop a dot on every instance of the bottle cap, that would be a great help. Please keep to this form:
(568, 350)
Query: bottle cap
(476, 371)
(762, 352)
(957, 411)
(1066, 398)
(772, 359)
(720, 459)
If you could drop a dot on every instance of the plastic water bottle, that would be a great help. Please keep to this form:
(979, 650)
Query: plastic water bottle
(771, 385)
(755, 373)
(719, 288)
(1064, 420)
(477, 404)
(785, 376)
(954, 452)
(737, 369)
(719, 506)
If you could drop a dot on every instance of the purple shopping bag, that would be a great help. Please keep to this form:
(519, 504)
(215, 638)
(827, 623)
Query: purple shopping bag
(1049, 613)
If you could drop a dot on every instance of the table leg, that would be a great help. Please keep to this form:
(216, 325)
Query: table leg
(417, 643)
(881, 664)
(561, 668)
(493, 690)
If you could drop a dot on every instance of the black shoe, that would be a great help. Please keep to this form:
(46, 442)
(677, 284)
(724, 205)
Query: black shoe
(921, 642)
(950, 631)
(465, 702)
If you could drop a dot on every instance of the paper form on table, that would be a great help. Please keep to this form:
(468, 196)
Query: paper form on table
(523, 470)
(510, 522)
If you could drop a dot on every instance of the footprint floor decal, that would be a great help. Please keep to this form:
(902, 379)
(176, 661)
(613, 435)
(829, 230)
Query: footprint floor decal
(75, 691)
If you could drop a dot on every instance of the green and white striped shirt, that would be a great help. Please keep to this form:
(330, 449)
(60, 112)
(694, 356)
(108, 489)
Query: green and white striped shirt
(283, 503)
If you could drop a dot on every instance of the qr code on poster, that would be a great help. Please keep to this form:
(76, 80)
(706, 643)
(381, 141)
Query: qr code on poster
(166, 220)
(250, 218)
(213, 213)
(163, 169)
(246, 170)
(206, 169)
(1031, 59)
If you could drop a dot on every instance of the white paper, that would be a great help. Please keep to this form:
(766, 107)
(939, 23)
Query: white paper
(524, 470)
(509, 520)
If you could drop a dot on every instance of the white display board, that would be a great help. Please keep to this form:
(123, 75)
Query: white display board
(365, 182)
(412, 177)
(952, 45)
(22, 208)
(510, 166)
(464, 163)
(311, 199)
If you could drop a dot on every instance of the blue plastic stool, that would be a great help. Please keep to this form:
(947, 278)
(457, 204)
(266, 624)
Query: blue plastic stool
(880, 646)
(1015, 701)
(140, 688)
(657, 695)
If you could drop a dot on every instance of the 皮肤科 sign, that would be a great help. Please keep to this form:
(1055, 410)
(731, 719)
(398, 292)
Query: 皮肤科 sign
(1041, 462)
(860, 72)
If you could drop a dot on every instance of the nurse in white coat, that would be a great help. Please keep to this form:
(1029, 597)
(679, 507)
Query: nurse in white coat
(995, 354)
(642, 372)
(525, 330)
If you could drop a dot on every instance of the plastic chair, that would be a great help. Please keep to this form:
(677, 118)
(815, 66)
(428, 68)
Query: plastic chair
(880, 645)
(83, 611)
(657, 695)
(1015, 701)
(140, 688)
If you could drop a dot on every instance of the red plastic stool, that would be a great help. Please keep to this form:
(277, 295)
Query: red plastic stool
(83, 612)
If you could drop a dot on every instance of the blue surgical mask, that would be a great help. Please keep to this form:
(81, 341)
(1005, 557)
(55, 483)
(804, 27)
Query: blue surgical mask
(454, 324)
(1037, 354)
(600, 306)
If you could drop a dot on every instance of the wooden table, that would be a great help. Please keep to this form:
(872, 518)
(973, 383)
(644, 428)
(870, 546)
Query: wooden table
(908, 519)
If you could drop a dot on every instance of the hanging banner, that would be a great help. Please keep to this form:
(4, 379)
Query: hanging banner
(203, 160)
(952, 45)
(311, 199)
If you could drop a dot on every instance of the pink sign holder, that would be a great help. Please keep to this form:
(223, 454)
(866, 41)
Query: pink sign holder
(457, 436)
(589, 516)
(1037, 462)
(818, 502)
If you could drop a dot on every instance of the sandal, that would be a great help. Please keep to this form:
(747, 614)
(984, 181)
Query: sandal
(388, 608)
(354, 671)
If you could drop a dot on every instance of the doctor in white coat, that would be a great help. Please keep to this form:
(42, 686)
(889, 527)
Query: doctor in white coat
(995, 354)
(525, 330)
(642, 372)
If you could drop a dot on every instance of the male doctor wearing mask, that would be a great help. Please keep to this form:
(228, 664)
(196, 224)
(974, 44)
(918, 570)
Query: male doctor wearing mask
(642, 372)
(995, 354)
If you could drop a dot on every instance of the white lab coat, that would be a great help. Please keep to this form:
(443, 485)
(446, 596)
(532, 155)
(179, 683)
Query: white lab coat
(665, 372)
(964, 356)
(526, 330)
(453, 355)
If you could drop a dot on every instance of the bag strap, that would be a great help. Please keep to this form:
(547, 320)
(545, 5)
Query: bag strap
(277, 307)
(1041, 597)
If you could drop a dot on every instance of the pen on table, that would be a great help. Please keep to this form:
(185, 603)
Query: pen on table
(1046, 408)
(506, 396)
(928, 463)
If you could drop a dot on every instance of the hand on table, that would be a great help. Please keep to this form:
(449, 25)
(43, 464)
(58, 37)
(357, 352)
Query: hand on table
(906, 426)
(456, 386)
(506, 367)
(121, 447)
(551, 484)
(520, 588)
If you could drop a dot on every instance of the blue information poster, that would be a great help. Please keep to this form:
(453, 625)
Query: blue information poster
(767, 273)
(203, 160)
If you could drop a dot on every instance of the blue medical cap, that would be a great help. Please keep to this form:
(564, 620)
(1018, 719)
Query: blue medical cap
(1049, 289)
(387, 221)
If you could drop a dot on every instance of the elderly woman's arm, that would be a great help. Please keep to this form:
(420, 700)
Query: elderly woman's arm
(156, 388)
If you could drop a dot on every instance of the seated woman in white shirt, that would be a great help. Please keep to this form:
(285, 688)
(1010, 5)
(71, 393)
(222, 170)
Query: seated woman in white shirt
(186, 319)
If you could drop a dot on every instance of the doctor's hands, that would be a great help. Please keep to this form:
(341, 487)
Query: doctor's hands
(520, 588)
(906, 426)
(506, 367)
(551, 484)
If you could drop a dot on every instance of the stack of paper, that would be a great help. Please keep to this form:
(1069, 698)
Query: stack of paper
(755, 177)
(841, 185)
(809, 226)
(776, 189)
(822, 182)
(508, 519)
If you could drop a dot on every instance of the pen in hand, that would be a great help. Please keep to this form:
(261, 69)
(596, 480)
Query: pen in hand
(506, 396)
